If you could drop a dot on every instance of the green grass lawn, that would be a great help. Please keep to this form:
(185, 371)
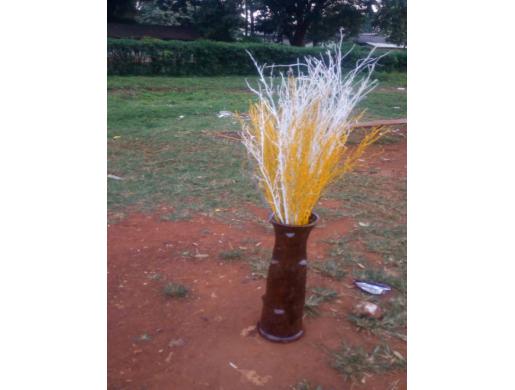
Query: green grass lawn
(157, 141)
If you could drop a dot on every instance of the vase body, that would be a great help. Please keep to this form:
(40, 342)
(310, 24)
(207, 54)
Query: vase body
(283, 302)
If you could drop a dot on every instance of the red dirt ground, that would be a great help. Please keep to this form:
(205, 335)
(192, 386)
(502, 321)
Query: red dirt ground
(219, 347)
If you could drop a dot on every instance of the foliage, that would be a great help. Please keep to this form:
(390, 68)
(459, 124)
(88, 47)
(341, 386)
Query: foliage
(333, 17)
(165, 13)
(253, 12)
(121, 10)
(175, 290)
(306, 385)
(208, 58)
(322, 18)
(214, 19)
(354, 363)
(318, 20)
(217, 20)
(231, 255)
(333, 268)
(259, 268)
(392, 20)
(320, 295)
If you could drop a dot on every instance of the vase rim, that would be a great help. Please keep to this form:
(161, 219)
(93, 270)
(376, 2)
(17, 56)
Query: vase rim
(313, 215)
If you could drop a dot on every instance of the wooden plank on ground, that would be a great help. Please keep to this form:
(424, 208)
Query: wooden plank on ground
(381, 122)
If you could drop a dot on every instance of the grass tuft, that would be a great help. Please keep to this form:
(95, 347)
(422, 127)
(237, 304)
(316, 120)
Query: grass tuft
(231, 255)
(333, 268)
(305, 385)
(175, 290)
(354, 362)
(259, 268)
(320, 295)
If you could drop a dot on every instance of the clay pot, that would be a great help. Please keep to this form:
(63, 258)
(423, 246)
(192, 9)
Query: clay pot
(283, 302)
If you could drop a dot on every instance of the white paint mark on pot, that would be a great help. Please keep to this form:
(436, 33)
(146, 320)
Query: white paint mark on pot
(290, 234)
(279, 311)
(303, 262)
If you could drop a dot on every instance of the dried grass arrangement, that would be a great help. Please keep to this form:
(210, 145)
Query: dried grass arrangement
(297, 131)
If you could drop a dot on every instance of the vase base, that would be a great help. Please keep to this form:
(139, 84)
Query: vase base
(277, 339)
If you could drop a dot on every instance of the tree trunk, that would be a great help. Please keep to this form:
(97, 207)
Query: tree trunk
(300, 35)
(251, 22)
(246, 19)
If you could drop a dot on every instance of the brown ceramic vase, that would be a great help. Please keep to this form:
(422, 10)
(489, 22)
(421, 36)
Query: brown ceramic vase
(283, 302)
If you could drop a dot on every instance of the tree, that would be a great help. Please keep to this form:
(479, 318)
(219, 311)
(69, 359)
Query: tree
(250, 8)
(334, 17)
(165, 13)
(213, 19)
(120, 10)
(296, 18)
(217, 19)
(391, 19)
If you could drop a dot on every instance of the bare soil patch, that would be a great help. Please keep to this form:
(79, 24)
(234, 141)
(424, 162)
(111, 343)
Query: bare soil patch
(207, 340)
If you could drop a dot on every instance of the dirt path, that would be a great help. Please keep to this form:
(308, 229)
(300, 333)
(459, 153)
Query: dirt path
(207, 340)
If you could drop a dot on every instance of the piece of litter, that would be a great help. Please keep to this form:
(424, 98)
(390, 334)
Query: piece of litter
(224, 114)
(114, 177)
(144, 337)
(373, 288)
(396, 107)
(117, 136)
(368, 309)
(201, 256)
(364, 224)
(247, 331)
(176, 343)
(233, 365)
(181, 116)
(401, 88)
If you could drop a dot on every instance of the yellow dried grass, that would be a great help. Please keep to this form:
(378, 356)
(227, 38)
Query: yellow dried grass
(304, 180)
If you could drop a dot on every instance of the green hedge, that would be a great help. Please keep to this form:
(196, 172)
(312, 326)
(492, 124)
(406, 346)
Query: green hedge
(208, 58)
